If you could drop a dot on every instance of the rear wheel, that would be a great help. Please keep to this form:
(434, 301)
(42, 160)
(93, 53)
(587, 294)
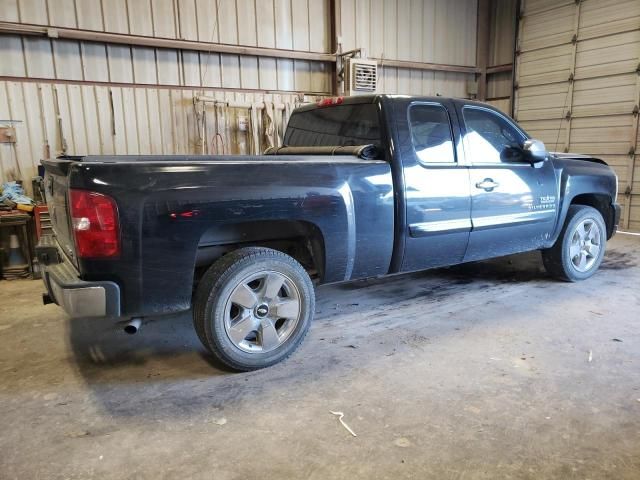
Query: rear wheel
(579, 250)
(253, 308)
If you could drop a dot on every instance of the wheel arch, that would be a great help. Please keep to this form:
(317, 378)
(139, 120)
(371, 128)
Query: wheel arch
(591, 183)
(585, 189)
(302, 240)
(603, 203)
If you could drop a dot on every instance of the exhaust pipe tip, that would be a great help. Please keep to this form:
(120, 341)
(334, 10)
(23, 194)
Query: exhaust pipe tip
(132, 326)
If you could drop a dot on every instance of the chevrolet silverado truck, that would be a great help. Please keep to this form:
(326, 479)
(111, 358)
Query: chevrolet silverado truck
(363, 187)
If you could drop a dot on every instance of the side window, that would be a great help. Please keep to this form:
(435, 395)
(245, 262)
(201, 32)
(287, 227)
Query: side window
(431, 134)
(490, 138)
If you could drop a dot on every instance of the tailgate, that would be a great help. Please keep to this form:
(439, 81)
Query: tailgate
(56, 186)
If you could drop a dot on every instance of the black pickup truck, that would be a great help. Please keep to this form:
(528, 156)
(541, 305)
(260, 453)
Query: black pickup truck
(365, 186)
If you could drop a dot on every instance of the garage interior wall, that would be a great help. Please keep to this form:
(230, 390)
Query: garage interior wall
(441, 32)
(578, 86)
(72, 91)
(502, 33)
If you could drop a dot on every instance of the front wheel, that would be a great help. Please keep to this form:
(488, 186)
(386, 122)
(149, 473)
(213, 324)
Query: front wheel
(253, 308)
(579, 250)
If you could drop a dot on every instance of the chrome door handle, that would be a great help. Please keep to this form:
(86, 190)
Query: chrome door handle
(487, 184)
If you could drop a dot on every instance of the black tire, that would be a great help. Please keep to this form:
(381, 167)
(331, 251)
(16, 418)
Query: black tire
(557, 259)
(213, 297)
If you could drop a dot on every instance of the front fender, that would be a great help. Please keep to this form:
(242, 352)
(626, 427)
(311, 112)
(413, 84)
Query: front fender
(583, 182)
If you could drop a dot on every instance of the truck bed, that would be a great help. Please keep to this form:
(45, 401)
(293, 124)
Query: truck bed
(173, 209)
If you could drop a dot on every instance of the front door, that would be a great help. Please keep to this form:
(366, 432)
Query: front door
(513, 204)
(436, 186)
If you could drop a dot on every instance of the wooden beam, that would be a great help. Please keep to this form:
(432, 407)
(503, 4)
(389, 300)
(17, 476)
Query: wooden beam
(438, 67)
(627, 190)
(335, 31)
(568, 114)
(54, 81)
(518, 23)
(500, 68)
(482, 45)
(155, 42)
(138, 40)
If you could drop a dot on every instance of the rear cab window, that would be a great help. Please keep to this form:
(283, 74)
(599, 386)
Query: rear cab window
(335, 125)
(431, 134)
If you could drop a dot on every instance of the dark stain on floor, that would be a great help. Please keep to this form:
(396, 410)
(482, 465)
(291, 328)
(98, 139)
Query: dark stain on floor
(615, 260)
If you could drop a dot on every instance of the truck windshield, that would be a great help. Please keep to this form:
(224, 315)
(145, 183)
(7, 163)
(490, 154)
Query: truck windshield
(337, 125)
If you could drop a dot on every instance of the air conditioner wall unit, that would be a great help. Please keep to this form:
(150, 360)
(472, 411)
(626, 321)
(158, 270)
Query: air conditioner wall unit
(361, 76)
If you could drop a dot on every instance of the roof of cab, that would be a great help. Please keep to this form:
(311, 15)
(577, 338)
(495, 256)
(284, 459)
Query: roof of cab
(373, 98)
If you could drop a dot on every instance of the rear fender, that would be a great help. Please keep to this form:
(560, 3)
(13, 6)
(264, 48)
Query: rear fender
(223, 238)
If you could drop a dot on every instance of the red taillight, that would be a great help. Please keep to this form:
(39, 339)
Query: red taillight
(94, 218)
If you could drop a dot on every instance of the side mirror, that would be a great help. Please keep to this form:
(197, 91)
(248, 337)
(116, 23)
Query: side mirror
(535, 151)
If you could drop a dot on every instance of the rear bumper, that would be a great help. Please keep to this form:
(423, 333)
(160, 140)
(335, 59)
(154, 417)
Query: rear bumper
(77, 297)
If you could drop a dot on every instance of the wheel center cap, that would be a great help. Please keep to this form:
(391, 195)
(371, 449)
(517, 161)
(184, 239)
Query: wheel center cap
(262, 310)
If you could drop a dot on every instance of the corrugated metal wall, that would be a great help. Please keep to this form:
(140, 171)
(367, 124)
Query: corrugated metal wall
(234, 22)
(432, 31)
(85, 97)
(578, 84)
(95, 119)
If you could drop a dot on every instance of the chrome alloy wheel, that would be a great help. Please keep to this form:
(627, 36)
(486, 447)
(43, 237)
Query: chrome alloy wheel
(262, 312)
(585, 246)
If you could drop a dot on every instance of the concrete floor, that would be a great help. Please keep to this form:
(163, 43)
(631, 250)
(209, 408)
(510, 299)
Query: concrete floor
(474, 372)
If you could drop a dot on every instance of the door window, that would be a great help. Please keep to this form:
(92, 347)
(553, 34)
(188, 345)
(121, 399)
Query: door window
(431, 134)
(490, 138)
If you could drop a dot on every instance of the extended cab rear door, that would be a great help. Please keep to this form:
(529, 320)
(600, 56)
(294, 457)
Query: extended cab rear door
(436, 184)
(513, 204)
